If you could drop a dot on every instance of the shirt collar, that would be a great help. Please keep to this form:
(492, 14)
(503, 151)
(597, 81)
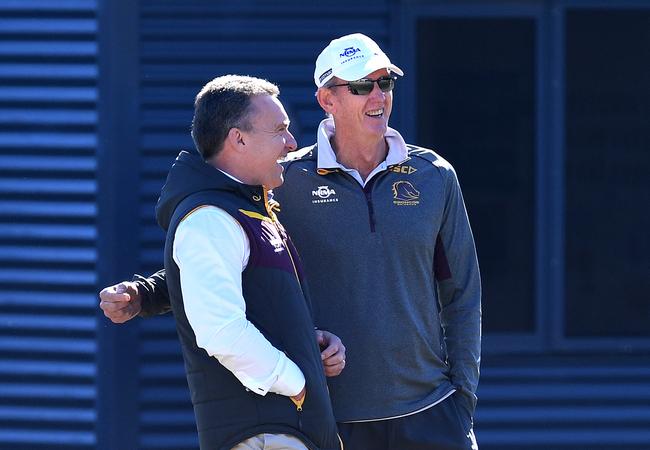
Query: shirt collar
(397, 150)
(256, 192)
(230, 176)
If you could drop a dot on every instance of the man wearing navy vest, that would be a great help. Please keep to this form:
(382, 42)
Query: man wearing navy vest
(235, 281)
(388, 250)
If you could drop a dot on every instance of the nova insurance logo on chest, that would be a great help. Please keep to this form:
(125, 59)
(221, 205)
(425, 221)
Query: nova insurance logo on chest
(324, 194)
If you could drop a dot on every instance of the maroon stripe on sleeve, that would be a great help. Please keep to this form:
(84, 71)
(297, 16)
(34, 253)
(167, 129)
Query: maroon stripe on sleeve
(440, 264)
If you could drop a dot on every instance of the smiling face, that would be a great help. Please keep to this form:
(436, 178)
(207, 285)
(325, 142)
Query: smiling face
(365, 116)
(268, 141)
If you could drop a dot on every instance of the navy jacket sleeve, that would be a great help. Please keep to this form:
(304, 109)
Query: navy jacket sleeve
(153, 294)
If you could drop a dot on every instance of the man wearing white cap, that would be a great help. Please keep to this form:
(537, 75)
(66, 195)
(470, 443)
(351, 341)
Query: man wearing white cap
(383, 233)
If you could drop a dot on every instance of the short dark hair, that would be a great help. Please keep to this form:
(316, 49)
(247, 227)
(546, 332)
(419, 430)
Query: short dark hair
(222, 104)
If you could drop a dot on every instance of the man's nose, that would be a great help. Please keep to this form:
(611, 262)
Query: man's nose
(291, 143)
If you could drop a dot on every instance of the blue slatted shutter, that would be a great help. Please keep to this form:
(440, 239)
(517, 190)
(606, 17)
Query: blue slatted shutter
(48, 117)
(562, 403)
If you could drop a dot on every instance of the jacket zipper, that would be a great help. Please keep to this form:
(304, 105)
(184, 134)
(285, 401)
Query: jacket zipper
(371, 208)
(367, 191)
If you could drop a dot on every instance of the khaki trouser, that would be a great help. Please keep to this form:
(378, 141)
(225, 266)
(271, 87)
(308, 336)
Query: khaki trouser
(268, 441)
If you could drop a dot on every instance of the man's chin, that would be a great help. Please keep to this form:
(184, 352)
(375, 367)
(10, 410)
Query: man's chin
(378, 128)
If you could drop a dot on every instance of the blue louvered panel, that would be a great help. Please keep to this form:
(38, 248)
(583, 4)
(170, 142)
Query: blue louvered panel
(47, 224)
(167, 418)
(564, 403)
(183, 45)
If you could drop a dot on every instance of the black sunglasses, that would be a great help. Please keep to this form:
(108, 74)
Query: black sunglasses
(365, 86)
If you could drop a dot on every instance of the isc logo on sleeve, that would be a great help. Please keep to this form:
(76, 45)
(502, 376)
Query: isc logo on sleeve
(406, 170)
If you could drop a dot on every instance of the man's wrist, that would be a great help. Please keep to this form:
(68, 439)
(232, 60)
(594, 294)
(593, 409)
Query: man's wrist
(142, 287)
(290, 380)
(300, 395)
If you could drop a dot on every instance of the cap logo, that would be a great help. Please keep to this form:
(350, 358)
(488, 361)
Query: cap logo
(325, 75)
(350, 51)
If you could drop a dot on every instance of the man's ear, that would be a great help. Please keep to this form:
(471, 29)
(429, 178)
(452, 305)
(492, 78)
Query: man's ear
(325, 99)
(235, 138)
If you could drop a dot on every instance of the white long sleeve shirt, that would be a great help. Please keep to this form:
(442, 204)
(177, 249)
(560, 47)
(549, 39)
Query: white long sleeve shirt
(211, 250)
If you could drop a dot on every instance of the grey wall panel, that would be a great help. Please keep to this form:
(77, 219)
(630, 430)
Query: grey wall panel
(48, 210)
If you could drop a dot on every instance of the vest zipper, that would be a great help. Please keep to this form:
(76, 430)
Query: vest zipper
(295, 271)
(267, 207)
(274, 218)
(298, 404)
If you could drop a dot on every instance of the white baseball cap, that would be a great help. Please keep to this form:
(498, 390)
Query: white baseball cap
(351, 58)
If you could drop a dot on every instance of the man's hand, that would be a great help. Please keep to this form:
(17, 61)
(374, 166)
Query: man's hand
(332, 352)
(120, 302)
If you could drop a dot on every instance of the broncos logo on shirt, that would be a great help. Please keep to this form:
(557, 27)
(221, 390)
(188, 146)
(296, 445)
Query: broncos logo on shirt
(404, 191)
